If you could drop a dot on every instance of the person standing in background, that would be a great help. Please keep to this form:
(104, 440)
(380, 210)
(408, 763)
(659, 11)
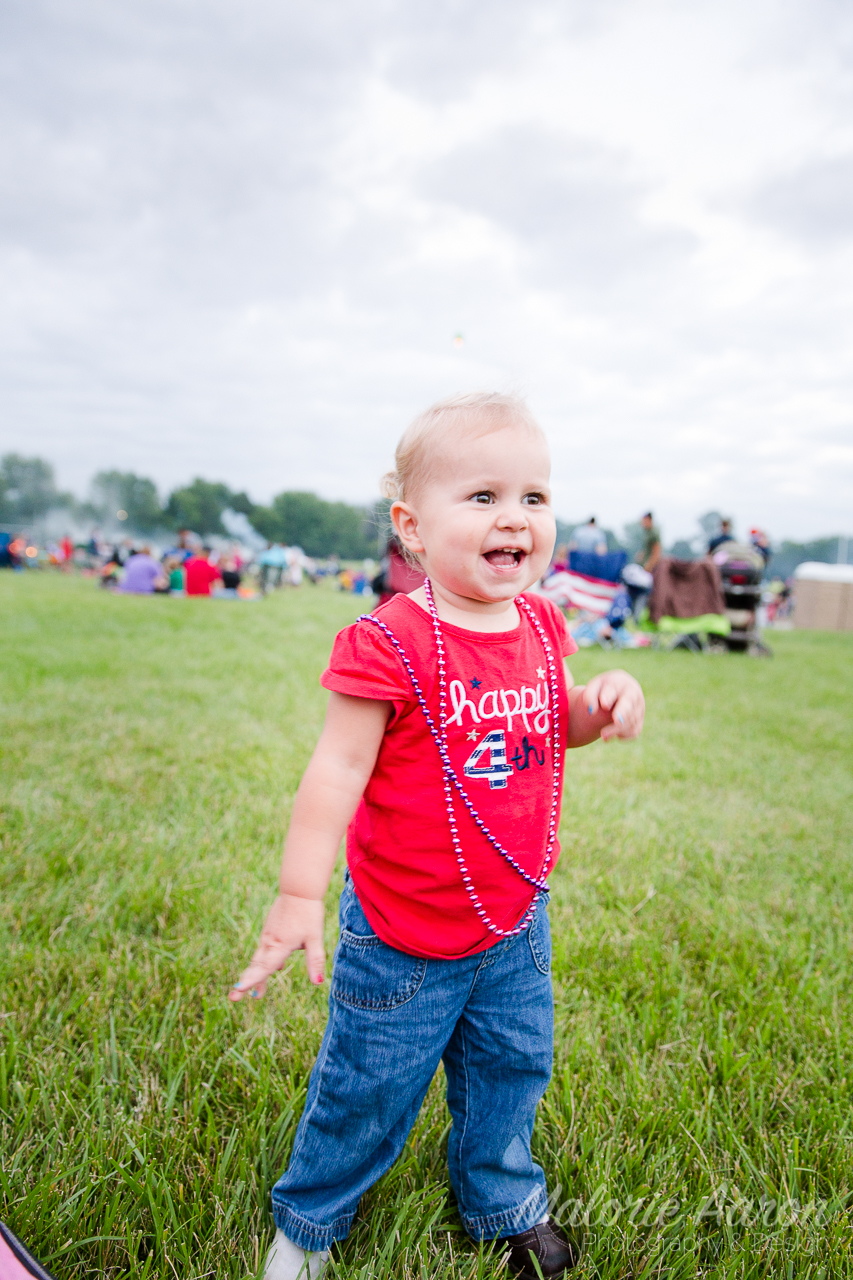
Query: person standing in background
(759, 539)
(725, 535)
(272, 562)
(588, 537)
(651, 549)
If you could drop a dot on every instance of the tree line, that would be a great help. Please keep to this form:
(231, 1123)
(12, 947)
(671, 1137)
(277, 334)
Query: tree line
(28, 492)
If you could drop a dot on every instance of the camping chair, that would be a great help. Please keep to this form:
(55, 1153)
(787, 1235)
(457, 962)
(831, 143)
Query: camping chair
(687, 609)
(591, 584)
(696, 634)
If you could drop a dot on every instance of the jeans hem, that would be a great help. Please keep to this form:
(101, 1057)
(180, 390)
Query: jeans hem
(509, 1222)
(311, 1236)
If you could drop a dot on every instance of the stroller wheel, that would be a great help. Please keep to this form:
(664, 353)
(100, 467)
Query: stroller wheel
(757, 649)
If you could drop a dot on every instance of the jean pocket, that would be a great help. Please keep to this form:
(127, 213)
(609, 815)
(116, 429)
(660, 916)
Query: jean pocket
(539, 937)
(351, 917)
(368, 974)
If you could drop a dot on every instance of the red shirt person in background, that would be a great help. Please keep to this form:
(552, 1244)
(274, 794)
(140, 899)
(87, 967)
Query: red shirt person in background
(200, 573)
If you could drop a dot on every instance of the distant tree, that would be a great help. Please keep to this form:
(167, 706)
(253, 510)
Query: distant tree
(682, 550)
(242, 502)
(788, 555)
(710, 523)
(27, 489)
(633, 538)
(320, 528)
(199, 506)
(564, 532)
(115, 491)
(378, 526)
(697, 546)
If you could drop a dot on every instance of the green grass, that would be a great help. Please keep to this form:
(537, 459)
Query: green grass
(702, 916)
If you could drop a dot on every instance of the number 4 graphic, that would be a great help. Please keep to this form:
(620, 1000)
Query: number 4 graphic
(497, 769)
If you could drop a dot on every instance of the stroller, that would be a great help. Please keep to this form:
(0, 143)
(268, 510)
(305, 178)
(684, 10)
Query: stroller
(741, 569)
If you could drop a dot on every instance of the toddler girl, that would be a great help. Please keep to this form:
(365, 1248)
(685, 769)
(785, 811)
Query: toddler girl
(441, 759)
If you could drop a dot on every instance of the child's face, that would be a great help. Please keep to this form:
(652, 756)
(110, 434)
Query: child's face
(482, 525)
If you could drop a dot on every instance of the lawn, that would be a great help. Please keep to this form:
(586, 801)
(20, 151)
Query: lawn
(699, 1119)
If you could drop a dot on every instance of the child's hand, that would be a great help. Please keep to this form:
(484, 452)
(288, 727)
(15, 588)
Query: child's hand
(620, 694)
(292, 924)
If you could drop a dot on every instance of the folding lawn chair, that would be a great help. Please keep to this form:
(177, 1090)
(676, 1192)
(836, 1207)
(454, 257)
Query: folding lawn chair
(687, 609)
(589, 583)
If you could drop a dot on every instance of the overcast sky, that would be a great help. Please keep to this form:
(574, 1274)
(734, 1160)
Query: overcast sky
(237, 240)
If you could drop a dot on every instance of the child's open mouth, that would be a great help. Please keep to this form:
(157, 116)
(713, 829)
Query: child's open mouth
(504, 557)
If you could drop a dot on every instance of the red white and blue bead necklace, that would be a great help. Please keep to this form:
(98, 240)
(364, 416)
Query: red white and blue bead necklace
(451, 778)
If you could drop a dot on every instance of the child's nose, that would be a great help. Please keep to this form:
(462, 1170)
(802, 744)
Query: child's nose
(512, 517)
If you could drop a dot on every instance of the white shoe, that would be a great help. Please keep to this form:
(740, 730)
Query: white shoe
(286, 1261)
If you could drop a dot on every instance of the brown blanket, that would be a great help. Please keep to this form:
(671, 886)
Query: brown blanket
(685, 589)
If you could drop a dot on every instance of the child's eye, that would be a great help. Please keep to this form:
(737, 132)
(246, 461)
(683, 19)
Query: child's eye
(483, 497)
(533, 499)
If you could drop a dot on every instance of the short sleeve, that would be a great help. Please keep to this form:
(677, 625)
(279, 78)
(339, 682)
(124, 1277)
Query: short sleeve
(569, 644)
(365, 664)
(555, 623)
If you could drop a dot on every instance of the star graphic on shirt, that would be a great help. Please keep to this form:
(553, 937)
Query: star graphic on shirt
(475, 684)
(472, 736)
(540, 673)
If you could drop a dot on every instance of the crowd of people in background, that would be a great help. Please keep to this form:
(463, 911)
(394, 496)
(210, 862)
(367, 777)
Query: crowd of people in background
(610, 601)
(229, 570)
(190, 568)
(221, 568)
(194, 568)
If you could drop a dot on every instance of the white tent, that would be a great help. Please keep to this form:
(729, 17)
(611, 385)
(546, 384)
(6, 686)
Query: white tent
(823, 596)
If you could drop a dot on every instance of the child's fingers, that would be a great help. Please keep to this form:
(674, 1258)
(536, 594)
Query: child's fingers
(252, 982)
(603, 690)
(608, 694)
(600, 694)
(628, 714)
(315, 959)
(590, 695)
(248, 987)
(267, 960)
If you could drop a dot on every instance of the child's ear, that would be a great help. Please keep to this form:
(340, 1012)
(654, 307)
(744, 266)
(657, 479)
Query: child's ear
(405, 522)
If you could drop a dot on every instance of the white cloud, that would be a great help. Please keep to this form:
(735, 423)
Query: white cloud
(238, 241)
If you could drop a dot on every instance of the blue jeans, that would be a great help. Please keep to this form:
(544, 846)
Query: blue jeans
(392, 1018)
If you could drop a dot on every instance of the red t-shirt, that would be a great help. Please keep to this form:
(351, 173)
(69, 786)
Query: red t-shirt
(399, 849)
(199, 575)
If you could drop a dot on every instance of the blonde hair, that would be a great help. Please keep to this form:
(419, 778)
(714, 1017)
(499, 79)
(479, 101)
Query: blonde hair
(477, 413)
